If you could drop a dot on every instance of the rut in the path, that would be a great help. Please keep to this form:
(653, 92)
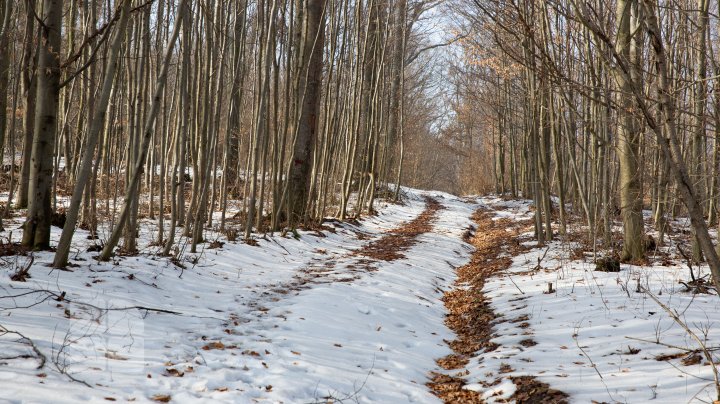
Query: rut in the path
(471, 316)
(350, 266)
(391, 246)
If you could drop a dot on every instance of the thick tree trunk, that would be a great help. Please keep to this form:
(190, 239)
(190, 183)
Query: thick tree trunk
(37, 226)
(309, 97)
(628, 137)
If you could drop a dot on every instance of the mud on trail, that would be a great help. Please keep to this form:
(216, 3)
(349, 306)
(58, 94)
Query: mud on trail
(471, 316)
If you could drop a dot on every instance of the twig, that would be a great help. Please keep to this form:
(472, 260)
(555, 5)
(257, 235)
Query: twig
(354, 395)
(688, 373)
(696, 395)
(30, 342)
(688, 260)
(76, 380)
(540, 259)
(513, 282)
(23, 273)
(143, 308)
(63, 297)
(62, 367)
(670, 345)
(594, 366)
(677, 320)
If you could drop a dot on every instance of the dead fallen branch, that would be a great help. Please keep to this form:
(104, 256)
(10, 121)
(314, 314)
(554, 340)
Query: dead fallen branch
(40, 356)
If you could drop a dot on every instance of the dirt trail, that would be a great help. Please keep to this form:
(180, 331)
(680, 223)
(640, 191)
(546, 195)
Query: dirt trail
(471, 316)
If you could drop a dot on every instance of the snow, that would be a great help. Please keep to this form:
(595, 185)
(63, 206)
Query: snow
(364, 331)
(306, 320)
(589, 329)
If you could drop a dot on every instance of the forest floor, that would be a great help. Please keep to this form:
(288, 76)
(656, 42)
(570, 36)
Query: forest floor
(437, 299)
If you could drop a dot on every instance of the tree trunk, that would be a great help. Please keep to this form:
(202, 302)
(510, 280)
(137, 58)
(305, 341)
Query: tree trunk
(37, 226)
(139, 164)
(96, 125)
(628, 136)
(309, 97)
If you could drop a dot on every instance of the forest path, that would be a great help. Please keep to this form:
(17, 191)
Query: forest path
(372, 305)
(350, 266)
(472, 318)
(358, 323)
(352, 314)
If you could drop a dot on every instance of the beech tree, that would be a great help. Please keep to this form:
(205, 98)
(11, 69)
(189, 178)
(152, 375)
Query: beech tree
(36, 232)
(583, 100)
(242, 117)
(310, 53)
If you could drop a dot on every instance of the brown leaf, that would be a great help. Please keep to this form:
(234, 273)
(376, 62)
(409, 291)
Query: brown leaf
(174, 372)
(667, 357)
(692, 359)
(214, 345)
(161, 398)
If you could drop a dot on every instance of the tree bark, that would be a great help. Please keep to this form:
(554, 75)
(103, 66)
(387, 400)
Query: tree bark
(628, 135)
(36, 233)
(96, 125)
(309, 94)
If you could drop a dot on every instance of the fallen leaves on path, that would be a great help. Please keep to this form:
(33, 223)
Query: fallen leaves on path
(391, 246)
(471, 316)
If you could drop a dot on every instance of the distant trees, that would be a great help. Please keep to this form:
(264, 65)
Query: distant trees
(615, 113)
(263, 116)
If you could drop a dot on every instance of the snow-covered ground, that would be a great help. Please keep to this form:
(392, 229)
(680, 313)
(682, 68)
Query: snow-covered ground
(290, 320)
(304, 320)
(599, 337)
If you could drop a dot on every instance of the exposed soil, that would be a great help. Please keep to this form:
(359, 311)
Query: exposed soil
(471, 316)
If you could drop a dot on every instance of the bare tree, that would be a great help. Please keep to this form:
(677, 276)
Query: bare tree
(37, 225)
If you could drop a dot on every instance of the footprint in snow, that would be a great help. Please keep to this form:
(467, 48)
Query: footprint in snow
(364, 309)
